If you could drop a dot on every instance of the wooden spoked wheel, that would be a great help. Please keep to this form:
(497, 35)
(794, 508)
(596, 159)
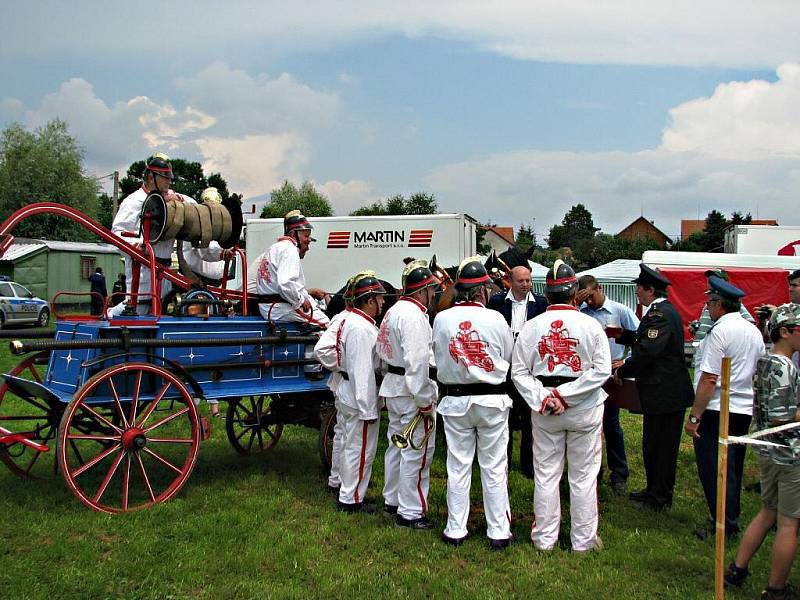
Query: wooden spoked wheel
(326, 434)
(129, 438)
(36, 419)
(251, 425)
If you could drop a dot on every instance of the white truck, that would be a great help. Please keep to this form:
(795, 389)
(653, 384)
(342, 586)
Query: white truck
(772, 240)
(347, 245)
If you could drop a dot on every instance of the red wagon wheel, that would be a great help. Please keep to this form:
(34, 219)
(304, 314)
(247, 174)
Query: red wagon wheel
(326, 433)
(251, 426)
(129, 438)
(34, 418)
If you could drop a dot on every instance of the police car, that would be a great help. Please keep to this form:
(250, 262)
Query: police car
(18, 305)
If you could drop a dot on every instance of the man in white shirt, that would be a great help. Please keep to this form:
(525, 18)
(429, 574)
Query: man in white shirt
(561, 361)
(730, 336)
(404, 346)
(280, 279)
(158, 179)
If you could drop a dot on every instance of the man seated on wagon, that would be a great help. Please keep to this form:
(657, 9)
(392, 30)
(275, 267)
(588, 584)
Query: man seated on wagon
(158, 179)
(280, 280)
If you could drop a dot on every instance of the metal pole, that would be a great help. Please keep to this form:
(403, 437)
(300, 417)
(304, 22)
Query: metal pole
(722, 479)
(115, 197)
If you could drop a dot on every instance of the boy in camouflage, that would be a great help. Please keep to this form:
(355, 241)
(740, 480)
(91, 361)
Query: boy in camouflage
(776, 384)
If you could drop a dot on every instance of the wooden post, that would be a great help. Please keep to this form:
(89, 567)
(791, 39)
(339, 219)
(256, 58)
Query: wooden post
(722, 479)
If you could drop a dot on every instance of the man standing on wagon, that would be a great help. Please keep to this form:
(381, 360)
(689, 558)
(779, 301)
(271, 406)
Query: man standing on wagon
(404, 344)
(158, 179)
(280, 279)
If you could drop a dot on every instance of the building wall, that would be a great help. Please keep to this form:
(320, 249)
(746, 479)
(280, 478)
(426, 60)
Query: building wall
(642, 229)
(64, 273)
(31, 271)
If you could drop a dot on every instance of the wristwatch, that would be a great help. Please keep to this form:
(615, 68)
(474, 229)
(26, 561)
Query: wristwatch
(694, 420)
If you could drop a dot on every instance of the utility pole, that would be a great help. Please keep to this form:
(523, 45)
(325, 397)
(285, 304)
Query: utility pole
(115, 197)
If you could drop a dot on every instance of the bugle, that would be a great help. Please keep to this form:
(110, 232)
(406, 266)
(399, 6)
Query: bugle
(405, 438)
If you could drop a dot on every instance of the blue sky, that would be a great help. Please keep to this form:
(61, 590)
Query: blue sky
(510, 111)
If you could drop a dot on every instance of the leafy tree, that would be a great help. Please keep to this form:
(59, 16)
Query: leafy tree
(105, 210)
(738, 219)
(419, 203)
(576, 225)
(45, 165)
(480, 234)
(604, 248)
(306, 199)
(714, 232)
(692, 243)
(525, 237)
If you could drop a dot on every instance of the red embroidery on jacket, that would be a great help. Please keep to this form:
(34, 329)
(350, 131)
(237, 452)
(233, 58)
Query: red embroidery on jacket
(383, 340)
(263, 270)
(467, 348)
(559, 347)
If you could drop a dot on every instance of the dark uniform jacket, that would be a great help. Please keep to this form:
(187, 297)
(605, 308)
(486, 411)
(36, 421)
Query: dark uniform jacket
(657, 361)
(501, 304)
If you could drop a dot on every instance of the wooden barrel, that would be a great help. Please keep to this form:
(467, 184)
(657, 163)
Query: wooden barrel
(197, 223)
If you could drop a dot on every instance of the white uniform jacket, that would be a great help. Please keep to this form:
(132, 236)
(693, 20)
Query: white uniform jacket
(328, 349)
(562, 342)
(404, 340)
(355, 347)
(471, 344)
(207, 262)
(127, 219)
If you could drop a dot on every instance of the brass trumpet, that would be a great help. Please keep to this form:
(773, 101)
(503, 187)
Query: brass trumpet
(405, 438)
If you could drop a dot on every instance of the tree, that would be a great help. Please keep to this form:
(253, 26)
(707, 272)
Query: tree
(480, 233)
(714, 232)
(105, 210)
(45, 165)
(738, 219)
(306, 199)
(419, 203)
(525, 237)
(576, 225)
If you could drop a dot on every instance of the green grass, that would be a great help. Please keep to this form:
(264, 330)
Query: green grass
(264, 527)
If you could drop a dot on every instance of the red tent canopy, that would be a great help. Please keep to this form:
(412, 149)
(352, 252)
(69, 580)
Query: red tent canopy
(687, 292)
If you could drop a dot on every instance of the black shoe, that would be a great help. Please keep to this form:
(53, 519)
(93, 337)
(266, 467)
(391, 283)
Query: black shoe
(640, 496)
(357, 507)
(735, 576)
(703, 532)
(785, 593)
(620, 488)
(652, 504)
(455, 542)
(333, 489)
(499, 544)
(419, 524)
(389, 510)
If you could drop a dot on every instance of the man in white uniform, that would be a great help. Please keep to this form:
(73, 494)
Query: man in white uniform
(561, 361)
(404, 345)
(158, 179)
(279, 276)
(731, 336)
(472, 348)
(357, 403)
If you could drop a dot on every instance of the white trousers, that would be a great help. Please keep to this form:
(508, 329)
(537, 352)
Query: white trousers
(280, 311)
(336, 451)
(576, 437)
(407, 472)
(486, 429)
(358, 453)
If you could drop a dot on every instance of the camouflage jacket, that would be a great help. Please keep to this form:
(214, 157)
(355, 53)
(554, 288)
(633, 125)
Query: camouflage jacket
(776, 383)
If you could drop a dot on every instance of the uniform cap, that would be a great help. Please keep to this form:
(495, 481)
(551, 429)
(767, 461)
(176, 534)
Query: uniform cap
(794, 274)
(723, 289)
(471, 273)
(159, 165)
(650, 276)
(786, 315)
(362, 284)
(417, 276)
(560, 277)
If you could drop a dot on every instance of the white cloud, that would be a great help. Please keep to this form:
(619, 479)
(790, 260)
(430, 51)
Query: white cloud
(734, 151)
(347, 196)
(256, 163)
(743, 33)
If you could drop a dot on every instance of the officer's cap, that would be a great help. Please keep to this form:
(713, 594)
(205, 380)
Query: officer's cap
(794, 274)
(651, 277)
(723, 289)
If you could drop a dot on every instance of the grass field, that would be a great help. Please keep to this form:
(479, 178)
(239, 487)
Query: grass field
(265, 527)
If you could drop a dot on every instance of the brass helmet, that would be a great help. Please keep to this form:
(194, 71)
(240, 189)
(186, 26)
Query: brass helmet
(159, 164)
(471, 273)
(417, 276)
(363, 284)
(560, 278)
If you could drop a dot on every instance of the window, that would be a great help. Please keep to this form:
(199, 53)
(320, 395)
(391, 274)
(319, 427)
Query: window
(87, 266)
(22, 292)
(5, 290)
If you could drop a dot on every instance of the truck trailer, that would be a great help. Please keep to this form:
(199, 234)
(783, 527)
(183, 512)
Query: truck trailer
(347, 245)
(772, 240)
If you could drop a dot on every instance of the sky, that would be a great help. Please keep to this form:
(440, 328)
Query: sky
(509, 111)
